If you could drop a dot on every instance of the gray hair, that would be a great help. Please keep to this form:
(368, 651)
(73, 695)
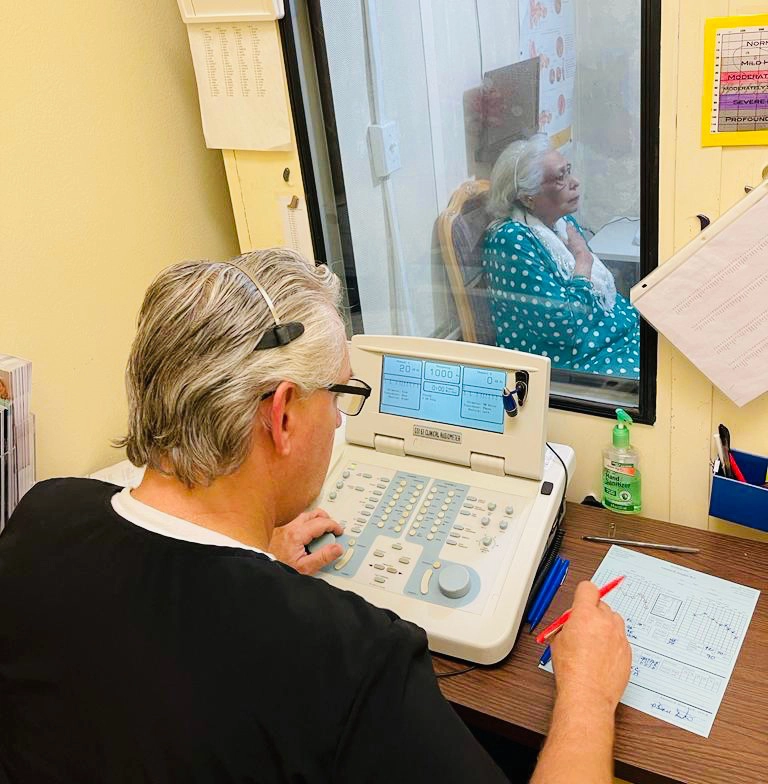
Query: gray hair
(518, 173)
(194, 381)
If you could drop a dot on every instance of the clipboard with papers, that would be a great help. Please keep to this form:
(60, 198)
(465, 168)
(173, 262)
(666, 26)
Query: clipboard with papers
(710, 300)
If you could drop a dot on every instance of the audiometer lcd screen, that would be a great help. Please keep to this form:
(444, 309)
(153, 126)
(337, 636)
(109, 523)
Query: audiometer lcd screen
(443, 392)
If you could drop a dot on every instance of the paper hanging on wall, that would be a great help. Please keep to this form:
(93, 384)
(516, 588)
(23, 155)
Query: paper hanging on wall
(243, 101)
(710, 300)
(296, 234)
(735, 101)
(548, 31)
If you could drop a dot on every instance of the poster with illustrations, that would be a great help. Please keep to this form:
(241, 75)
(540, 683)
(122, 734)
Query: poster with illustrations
(548, 31)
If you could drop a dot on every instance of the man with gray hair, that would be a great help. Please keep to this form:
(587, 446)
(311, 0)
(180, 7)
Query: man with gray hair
(165, 633)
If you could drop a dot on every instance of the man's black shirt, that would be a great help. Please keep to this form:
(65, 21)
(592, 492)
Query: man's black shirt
(128, 656)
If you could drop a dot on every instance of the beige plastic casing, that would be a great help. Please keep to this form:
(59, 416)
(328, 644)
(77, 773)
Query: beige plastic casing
(521, 446)
(488, 636)
(485, 636)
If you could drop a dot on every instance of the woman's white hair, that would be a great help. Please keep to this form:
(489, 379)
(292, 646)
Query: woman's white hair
(518, 174)
(194, 381)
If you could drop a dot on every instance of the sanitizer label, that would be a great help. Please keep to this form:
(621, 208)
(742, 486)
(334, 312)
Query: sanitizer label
(621, 486)
(620, 468)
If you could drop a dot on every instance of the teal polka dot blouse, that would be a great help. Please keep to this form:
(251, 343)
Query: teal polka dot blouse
(535, 309)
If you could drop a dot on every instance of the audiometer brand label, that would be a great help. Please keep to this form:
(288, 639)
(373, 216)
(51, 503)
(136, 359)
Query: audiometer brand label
(436, 434)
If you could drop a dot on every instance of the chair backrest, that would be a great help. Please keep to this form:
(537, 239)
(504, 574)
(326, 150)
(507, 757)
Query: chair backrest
(461, 228)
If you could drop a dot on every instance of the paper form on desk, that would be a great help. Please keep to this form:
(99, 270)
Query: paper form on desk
(685, 629)
(243, 102)
(711, 299)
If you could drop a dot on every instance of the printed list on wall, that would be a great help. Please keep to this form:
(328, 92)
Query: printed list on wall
(242, 99)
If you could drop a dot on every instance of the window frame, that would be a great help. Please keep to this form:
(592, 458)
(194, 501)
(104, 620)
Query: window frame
(310, 146)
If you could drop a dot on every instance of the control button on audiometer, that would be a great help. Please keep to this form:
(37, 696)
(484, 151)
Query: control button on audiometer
(321, 541)
(344, 560)
(425, 578)
(454, 581)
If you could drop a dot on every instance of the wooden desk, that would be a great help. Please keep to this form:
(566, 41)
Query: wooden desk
(514, 699)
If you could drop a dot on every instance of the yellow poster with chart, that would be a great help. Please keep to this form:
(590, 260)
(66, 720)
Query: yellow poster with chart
(735, 99)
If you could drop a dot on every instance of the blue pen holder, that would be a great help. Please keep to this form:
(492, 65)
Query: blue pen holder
(745, 503)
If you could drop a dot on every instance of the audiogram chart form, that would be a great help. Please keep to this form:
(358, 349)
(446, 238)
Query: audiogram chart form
(685, 629)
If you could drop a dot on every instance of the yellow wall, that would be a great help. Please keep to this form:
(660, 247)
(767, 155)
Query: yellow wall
(105, 179)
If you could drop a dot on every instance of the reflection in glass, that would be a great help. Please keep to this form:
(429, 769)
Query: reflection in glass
(549, 294)
(423, 100)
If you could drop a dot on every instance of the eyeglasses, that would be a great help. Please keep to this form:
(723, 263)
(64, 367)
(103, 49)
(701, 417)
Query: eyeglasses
(350, 397)
(564, 175)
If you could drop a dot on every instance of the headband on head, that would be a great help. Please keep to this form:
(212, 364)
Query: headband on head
(280, 334)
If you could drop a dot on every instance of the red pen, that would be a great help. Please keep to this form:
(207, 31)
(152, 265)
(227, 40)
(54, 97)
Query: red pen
(736, 470)
(555, 626)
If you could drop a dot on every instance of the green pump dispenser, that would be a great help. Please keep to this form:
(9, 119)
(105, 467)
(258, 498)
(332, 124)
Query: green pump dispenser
(621, 470)
(620, 430)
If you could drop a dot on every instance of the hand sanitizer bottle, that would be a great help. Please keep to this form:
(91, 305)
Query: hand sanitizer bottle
(621, 470)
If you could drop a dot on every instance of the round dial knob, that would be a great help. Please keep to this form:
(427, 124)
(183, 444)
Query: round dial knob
(454, 581)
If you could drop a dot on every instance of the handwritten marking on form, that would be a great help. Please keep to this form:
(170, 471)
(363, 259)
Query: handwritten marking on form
(712, 304)
(241, 108)
(685, 629)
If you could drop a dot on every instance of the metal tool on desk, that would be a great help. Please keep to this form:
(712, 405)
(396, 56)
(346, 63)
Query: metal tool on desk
(672, 548)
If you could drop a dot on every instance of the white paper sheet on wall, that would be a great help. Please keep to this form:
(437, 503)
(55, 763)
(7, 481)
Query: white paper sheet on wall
(711, 299)
(296, 232)
(243, 102)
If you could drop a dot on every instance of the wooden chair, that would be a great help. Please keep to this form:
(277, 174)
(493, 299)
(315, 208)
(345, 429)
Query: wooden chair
(461, 228)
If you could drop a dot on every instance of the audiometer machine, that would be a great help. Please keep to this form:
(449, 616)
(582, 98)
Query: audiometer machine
(446, 488)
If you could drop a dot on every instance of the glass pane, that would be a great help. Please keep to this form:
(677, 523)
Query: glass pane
(487, 176)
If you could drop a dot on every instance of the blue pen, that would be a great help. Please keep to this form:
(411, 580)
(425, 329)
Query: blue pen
(546, 656)
(549, 580)
(554, 588)
(559, 580)
(540, 593)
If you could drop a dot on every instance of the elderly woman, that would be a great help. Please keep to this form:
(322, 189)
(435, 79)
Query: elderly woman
(549, 294)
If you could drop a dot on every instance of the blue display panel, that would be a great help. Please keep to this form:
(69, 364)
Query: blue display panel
(443, 392)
